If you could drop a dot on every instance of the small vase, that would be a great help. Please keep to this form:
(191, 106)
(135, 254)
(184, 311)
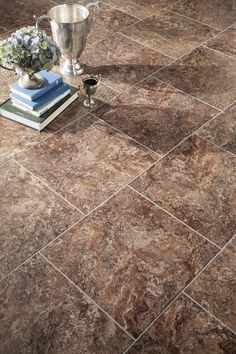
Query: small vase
(33, 81)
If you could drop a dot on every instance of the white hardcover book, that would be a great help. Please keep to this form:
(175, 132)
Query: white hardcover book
(39, 123)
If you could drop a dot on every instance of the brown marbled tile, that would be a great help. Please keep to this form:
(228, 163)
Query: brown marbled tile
(196, 182)
(3, 31)
(15, 137)
(77, 109)
(41, 312)
(217, 13)
(225, 42)
(222, 130)
(109, 21)
(155, 114)
(185, 329)
(140, 8)
(215, 287)
(170, 33)
(205, 74)
(87, 162)
(121, 61)
(7, 77)
(19, 13)
(31, 216)
(131, 258)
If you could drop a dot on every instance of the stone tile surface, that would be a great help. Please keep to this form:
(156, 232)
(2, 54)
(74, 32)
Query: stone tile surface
(42, 313)
(215, 287)
(185, 329)
(205, 74)
(217, 13)
(19, 13)
(222, 130)
(140, 8)
(109, 20)
(15, 137)
(170, 33)
(77, 109)
(31, 216)
(196, 182)
(87, 162)
(155, 114)
(131, 258)
(6, 78)
(225, 42)
(121, 61)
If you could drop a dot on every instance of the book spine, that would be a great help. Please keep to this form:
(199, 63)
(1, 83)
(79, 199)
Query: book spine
(55, 83)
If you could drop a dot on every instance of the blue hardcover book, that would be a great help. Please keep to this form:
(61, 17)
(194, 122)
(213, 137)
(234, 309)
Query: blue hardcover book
(51, 80)
(42, 100)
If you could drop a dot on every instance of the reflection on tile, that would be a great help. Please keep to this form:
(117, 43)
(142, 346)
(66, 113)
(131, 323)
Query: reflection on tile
(217, 13)
(121, 61)
(140, 8)
(185, 328)
(87, 162)
(15, 137)
(103, 93)
(131, 258)
(155, 114)
(225, 42)
(18, 13)
(109, 20)
(222, 130)
(170, 33)
(205, 74)
(215, 287)
(31, 216)
(42, 313)
(196, 182)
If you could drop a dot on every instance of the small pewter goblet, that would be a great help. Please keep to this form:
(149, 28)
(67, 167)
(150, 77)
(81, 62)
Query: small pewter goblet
(91, 84)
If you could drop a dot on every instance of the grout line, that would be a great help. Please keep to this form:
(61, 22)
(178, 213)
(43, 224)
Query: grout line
(217, 51)
(138, 20)
(209, 263)
(85, 295)
(45, 184)
(127, 136)
(80, 220)
(174, 217)
(186, 93)
(193, 19)
(175, 298)
(145, 45)
(166, 66)
(218, 146)
(209, 313)
(40, 249)
(119, 9)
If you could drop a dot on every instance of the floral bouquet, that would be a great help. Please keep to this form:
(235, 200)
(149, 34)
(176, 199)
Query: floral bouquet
(29, 50)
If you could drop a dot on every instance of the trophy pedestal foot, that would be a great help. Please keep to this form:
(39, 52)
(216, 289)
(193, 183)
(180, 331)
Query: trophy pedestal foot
(70, 68)
(89, 103)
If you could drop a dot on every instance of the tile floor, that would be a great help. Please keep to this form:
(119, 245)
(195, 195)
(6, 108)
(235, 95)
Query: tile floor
(118, 224)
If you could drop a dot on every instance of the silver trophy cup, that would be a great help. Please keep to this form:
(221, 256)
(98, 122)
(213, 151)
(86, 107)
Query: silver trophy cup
(70, 25)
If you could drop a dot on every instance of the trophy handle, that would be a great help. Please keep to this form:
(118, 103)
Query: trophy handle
(95, 4)
(39, 19)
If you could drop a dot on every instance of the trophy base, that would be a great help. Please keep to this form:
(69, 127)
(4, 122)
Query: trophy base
(70, 68)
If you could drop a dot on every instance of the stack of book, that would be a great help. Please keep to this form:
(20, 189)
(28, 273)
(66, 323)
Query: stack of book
(36, 108)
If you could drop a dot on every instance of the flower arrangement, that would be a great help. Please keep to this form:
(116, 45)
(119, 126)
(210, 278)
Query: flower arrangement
(29, 50)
